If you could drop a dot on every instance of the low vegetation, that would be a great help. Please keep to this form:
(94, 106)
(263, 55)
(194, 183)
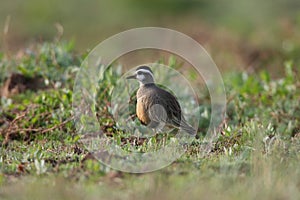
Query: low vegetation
(255, 156)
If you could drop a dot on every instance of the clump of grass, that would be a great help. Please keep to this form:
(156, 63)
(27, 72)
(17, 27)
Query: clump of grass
(47, 110)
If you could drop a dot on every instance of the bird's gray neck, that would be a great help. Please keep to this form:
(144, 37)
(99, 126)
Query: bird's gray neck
(143, 84)
(146, 82)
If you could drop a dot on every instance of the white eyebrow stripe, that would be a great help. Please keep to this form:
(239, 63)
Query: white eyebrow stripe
(144, 70)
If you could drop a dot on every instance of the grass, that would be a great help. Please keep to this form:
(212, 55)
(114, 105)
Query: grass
(255, 156)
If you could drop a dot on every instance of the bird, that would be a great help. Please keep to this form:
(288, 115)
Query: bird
(156, 107)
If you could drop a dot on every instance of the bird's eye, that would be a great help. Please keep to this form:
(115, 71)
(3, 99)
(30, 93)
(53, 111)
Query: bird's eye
(139, 73)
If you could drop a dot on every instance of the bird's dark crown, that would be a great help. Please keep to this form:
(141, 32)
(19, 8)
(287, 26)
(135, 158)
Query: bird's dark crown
(144, 67)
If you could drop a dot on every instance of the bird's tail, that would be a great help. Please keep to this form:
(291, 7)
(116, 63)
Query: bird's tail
(187, 127)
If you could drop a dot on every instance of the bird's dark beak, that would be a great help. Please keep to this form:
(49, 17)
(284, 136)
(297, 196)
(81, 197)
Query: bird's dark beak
(131, 77)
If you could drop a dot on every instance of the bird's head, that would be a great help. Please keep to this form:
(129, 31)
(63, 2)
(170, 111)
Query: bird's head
(143, 74)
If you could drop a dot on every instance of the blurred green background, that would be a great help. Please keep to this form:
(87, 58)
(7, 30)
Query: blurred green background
(235, 32)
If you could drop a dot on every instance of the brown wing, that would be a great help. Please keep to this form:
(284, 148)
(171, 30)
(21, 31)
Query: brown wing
(173, 110)
(168, 109)
(157, 106)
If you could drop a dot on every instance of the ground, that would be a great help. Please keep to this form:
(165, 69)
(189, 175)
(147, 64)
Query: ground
(256, 152)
